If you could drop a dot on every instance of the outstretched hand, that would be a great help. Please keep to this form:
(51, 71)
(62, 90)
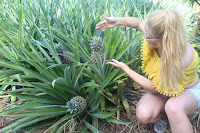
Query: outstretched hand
(118, 64)
(109, 22)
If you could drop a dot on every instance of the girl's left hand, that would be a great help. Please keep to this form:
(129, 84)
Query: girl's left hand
(118, 64)
(109, 22)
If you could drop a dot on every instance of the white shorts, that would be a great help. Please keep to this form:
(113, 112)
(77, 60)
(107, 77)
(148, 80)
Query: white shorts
(196, 92)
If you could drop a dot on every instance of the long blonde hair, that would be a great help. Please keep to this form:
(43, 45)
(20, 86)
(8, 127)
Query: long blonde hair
(167, 26)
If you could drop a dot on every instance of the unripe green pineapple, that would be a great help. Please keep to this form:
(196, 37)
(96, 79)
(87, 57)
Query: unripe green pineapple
(96, 44)
(64, 59)
(76, 105)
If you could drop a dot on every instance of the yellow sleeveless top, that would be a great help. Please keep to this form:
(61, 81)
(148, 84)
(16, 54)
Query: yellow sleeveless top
(151, 67)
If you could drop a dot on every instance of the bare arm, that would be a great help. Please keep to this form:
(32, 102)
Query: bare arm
(143, 82)
(111, 22)
(132, 22)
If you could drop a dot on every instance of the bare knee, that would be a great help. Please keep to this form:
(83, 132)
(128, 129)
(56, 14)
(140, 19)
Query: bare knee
(143, 115)
(173, 109)
(149, 108)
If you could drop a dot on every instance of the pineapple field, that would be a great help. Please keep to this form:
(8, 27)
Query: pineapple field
(53, 72)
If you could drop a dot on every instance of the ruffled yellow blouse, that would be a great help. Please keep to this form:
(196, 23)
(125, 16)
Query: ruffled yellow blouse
(151, 67)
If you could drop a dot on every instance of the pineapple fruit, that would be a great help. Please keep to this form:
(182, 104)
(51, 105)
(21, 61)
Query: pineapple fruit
(64, 59)
(96, 44)
(76, 105)
(61, 52)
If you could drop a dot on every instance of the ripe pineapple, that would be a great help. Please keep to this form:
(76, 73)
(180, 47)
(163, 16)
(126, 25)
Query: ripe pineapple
(64, 59)
(96, 44)
(76, 105)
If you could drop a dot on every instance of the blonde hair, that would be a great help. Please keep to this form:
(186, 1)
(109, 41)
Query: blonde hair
(167, 26)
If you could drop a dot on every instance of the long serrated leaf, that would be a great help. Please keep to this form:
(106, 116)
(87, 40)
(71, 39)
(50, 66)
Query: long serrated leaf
(47, 44)
(95, 122)
(36, 119)
(39, 45)
(77, 75)
(91, 95)
(86, 19)
(96, 71)
(92, 76)
(62, 86)
(47, 90)
(114, 120)
(125, 47)
(99, 64)
(23, 107)
(102, 103)
(39, 112)
(37, 98)
(11, 126)
(87, 84)
(126, 106)
(65, 118)
(103, 115)
(21, 23)
(95, 105)
(26, 70)
(120, 88)
(76, 47)
(107, 81)
(92, 128)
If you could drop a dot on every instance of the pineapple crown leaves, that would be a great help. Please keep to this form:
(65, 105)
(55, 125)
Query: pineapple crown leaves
(59, 48)
(61, 53)
(71, 106)
(76, 105)
(96, 42)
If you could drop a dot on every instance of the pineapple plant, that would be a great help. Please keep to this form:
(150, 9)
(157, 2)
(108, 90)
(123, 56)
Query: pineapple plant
(63, 54)
(96, 44)
(76, 105)
(45, 86)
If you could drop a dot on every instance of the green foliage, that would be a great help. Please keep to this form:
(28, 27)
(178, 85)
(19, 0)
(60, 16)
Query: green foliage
(195, 1)
(29, 49)
(29, 34)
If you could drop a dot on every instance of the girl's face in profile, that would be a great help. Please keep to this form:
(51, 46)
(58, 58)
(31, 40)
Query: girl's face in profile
(149, 37)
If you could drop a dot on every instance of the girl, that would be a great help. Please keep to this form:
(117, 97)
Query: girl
(171, 64)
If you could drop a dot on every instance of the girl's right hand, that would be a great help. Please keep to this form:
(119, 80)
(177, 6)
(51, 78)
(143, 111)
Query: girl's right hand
(109, 22)
(118, 64)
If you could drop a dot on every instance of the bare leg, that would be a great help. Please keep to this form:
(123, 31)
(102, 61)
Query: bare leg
(177, 109)
(150, 108)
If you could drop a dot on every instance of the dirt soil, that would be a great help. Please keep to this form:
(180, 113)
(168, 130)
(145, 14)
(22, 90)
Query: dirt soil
(134, 127)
